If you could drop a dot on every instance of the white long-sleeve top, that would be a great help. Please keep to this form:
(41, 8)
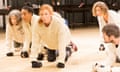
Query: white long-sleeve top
(56, 36)
(113, 18)
(14, 33)
(118, 50)
(21, 33)
(28, 32)
(111, 54)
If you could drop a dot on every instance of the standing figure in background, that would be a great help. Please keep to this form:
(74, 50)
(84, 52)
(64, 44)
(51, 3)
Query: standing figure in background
(55, 2)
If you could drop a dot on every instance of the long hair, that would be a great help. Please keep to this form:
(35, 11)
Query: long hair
(102, 6)
(46, 7)
(15, 13)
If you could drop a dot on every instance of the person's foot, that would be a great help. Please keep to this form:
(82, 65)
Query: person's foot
(73, 47)
(60, 65)
(36, 64)
(24, 54)
(10, 54)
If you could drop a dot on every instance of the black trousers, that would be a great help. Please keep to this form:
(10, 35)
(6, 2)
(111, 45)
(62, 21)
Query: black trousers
(52, 54)
(17, 44)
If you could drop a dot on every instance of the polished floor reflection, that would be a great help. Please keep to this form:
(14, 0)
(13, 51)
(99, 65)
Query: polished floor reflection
(87, 40)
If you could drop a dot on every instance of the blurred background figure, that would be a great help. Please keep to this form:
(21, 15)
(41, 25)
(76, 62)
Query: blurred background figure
(56, 2)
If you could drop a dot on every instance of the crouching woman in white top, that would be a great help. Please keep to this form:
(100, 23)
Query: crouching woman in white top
(16, 35)
(51, 31)
(14, 32)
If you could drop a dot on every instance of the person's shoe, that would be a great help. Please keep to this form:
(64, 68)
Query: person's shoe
(60, 65)
(9, 54)
(40, 57)
(68, 53)
(36, 64)
(24, 54)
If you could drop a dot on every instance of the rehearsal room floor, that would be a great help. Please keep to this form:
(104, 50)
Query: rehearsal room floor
(87, 40)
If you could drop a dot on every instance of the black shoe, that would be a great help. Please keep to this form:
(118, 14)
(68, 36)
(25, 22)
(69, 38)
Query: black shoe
(60, 65)
(68, 53)
(36, 64)
(10, 54)
(40, 57)
(24, 54)
(102, 66)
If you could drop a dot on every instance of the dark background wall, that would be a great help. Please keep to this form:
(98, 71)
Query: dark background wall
(69, 9)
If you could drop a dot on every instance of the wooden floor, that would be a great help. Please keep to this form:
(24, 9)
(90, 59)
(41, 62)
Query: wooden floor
(87, 40)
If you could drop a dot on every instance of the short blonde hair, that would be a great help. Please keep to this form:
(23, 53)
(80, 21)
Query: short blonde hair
(47, 7)
(102, 6)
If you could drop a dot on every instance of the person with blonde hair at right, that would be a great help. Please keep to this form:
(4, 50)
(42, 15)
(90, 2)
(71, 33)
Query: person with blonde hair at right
(104, 15)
